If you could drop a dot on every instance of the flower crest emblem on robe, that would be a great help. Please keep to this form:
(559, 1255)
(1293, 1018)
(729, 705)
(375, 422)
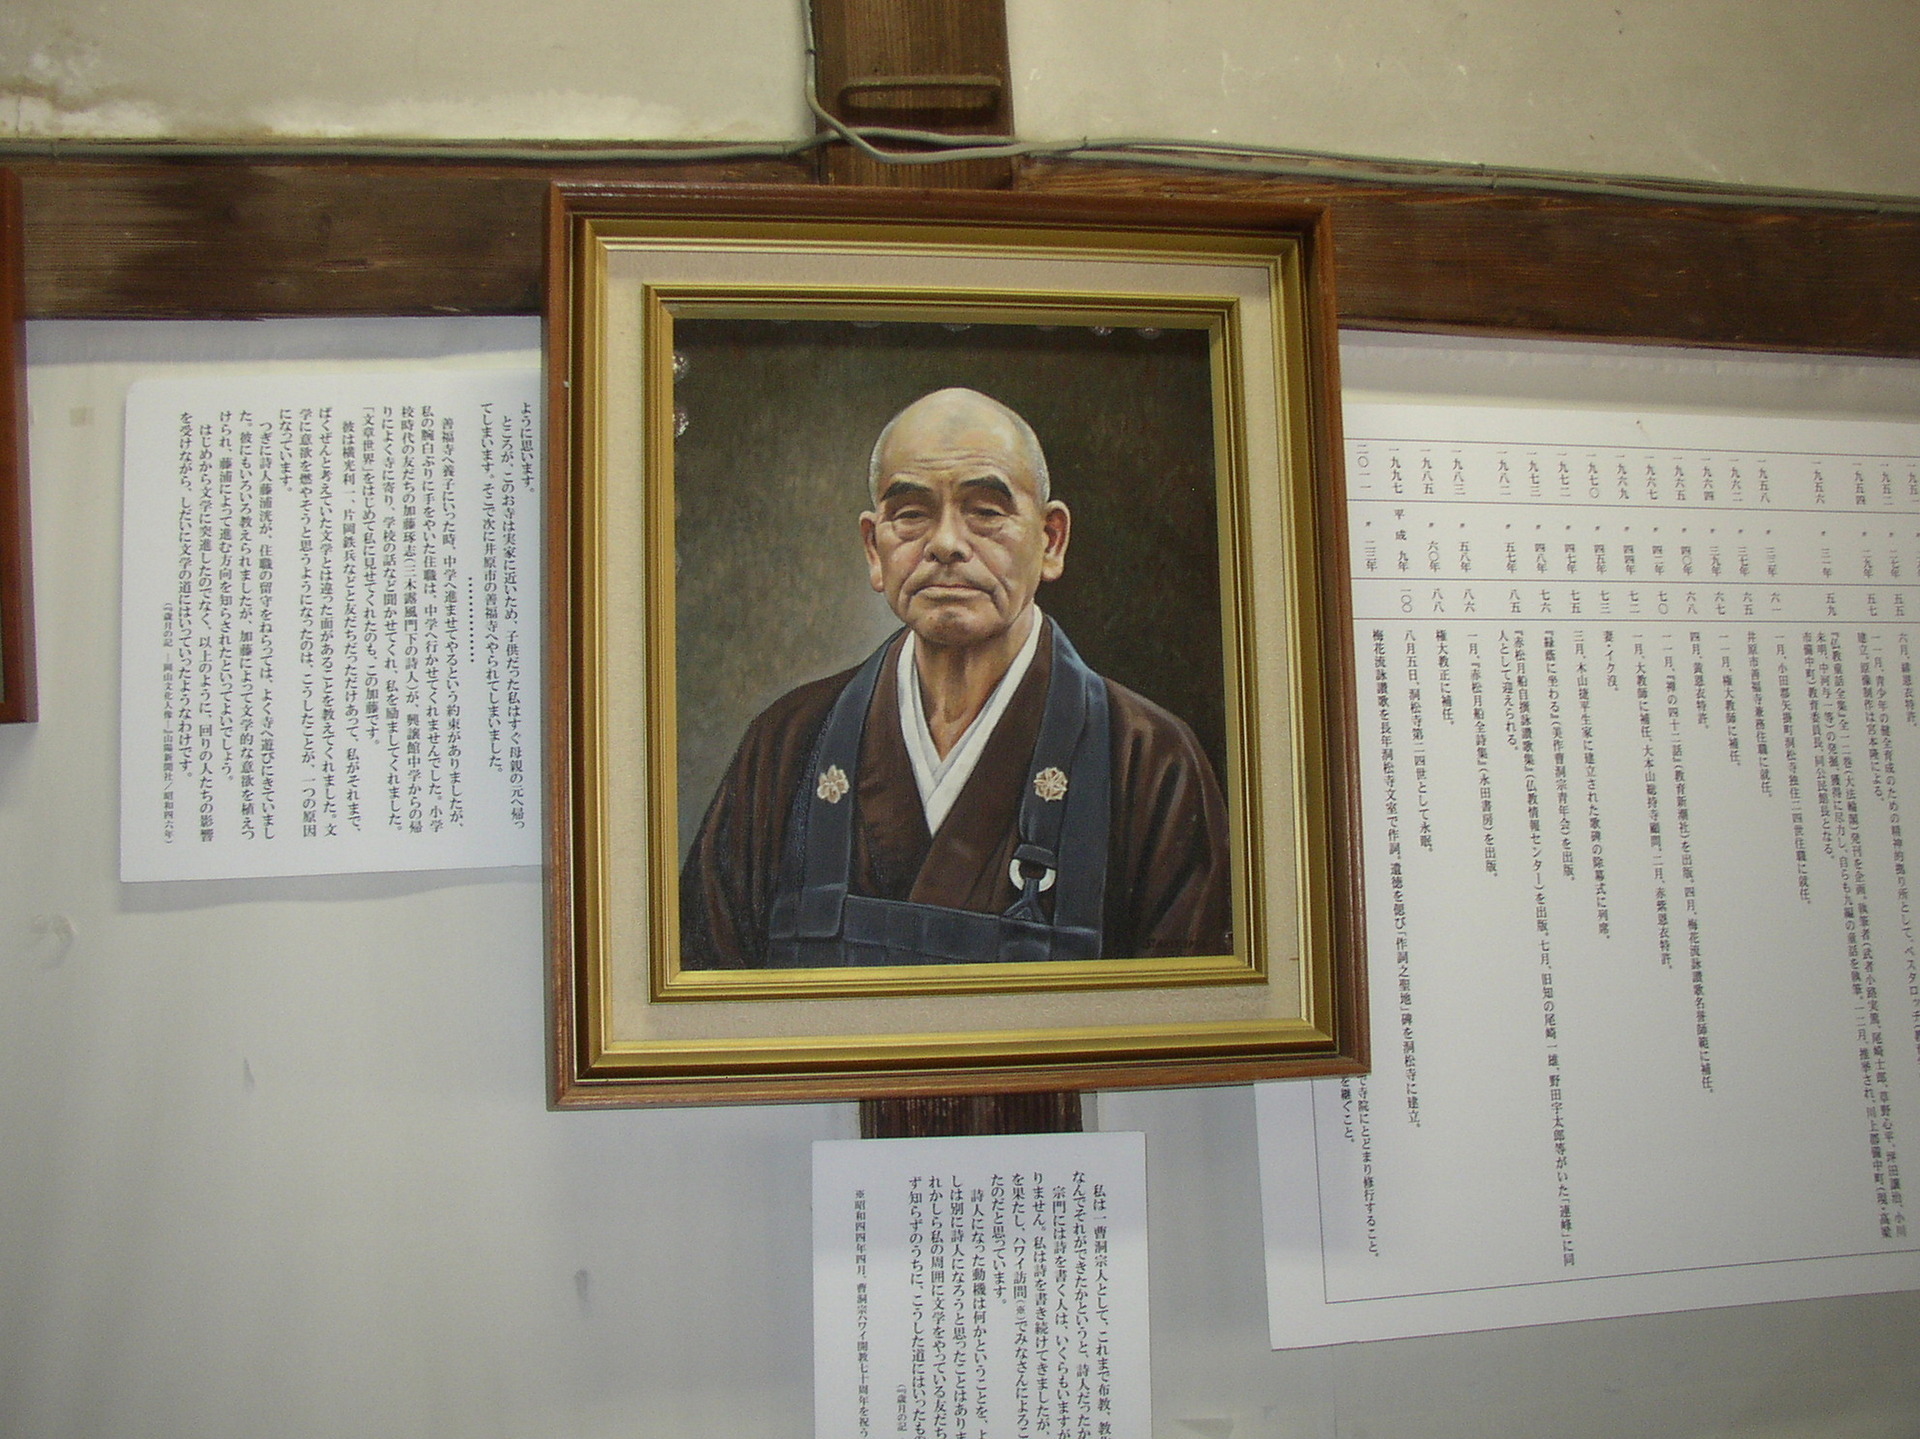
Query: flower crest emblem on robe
(833, 784)
(1050, 783)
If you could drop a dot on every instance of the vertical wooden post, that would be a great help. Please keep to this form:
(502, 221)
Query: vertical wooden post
(1052, 1112)
(18, 685)
(927, 65)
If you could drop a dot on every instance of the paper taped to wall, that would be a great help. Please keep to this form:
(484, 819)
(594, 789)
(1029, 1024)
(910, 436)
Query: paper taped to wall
(330, 624)
(1639, 716)
(981, 1286)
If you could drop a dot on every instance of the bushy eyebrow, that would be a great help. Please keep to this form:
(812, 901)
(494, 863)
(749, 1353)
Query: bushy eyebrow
(904, 487)
(990, 482)
(916, 488)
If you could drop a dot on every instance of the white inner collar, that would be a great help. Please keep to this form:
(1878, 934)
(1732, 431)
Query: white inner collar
(941, 780)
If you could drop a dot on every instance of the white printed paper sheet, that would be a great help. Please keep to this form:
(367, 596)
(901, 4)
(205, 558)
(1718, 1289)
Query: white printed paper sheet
(330, 624)
(973, 1288)
(1641, 734)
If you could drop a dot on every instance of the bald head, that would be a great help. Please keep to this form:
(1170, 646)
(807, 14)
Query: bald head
(942, 419)
(962, 532)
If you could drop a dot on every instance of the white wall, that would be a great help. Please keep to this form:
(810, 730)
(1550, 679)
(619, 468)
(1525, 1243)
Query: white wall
(716, 69)
(1766, 92)
(274, 1155)
(1763, 92)
(275, 1160)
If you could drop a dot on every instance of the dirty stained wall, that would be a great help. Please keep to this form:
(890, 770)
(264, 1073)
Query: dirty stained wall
(1769, 92)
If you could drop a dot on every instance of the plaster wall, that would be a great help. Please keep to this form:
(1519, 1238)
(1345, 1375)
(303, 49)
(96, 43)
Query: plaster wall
(277, 1160)
(1763, 92)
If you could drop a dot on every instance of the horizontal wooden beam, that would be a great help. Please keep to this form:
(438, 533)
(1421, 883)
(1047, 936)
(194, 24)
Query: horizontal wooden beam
(211, 238)
(1597, 267)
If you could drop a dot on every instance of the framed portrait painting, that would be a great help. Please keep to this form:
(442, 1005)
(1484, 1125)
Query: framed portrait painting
(946, 646)
(17, 687)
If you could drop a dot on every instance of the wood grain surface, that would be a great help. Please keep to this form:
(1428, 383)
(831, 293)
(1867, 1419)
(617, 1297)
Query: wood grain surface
(234, 238)
(19, 687)
(1047, 1112)
(864, 42)
(1596, 267)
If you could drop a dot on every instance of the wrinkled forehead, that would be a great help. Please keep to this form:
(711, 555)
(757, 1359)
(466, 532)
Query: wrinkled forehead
(952, 442)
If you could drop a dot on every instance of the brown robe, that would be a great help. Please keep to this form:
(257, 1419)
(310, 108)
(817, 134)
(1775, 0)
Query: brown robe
(1167, 886)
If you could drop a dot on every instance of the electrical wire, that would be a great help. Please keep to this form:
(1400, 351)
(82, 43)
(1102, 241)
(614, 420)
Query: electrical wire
(1273, 163)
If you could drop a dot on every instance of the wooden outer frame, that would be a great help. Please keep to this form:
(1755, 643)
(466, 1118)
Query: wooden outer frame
(19, 693)
(573, 1084)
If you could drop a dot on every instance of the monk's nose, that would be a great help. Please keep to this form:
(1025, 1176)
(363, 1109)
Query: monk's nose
(948, 542)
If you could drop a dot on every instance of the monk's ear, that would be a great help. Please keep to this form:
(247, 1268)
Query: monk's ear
(1057, 523)
(869, 522)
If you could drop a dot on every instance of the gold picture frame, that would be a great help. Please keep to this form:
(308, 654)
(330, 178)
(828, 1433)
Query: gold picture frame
(720, 362)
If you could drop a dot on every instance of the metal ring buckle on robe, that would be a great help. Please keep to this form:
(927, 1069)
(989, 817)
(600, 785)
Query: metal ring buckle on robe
(1047, 876)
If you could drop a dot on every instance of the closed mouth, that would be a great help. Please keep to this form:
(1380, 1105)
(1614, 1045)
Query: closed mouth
(949, 589)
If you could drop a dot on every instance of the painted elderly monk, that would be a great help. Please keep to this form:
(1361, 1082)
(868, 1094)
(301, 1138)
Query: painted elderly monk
(973, 793)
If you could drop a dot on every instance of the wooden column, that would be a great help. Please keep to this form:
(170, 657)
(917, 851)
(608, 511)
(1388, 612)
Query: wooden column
(936, 65)
(927, 65)
(912, 1118)
(18, 685)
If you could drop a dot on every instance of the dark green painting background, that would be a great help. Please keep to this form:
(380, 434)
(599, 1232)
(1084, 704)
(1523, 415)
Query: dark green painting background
(771, 476)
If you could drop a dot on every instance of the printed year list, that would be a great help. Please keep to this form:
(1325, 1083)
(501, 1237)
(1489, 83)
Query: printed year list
(1640, 730)
(329, 634)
